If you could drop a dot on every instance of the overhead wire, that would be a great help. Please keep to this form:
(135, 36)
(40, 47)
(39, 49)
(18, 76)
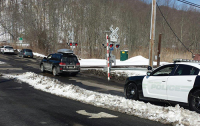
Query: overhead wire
(189, 3)
(173, 30)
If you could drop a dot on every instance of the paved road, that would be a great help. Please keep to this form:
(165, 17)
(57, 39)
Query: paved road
(22, 105)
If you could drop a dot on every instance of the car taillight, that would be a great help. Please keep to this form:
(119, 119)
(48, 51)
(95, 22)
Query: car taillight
(77, 64)
(61, 63)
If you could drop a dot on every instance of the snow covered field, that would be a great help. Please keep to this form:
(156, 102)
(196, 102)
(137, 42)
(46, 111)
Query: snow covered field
(168, 115)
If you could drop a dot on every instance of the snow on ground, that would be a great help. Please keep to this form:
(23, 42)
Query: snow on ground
(129, 73)
(137, 60)
(2, 62)
(168, 115)
(38, 54)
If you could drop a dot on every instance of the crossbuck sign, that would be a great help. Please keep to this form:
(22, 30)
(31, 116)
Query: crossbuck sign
(113, 36)
(71, 34)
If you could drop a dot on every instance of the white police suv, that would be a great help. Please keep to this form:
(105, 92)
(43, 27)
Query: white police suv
(178, 82)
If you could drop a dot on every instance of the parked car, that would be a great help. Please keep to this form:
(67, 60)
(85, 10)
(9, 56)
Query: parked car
(7, 49)
(175, 83)
(26, 53)
(62, 62)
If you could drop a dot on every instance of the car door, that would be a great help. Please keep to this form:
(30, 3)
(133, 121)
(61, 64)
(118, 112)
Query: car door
(51, 61)
(154, 86)
(180, 84)
(47, 63)
(21, 53)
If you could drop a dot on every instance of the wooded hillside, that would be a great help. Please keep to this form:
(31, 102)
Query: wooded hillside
(45, 25)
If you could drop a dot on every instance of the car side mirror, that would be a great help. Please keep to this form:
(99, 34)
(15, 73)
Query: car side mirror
(45, 57)
(149, 73)
(149, 68)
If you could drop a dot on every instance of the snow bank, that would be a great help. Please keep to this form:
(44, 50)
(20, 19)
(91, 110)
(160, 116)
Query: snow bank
(168, 115)
(39, 55)
(2, 62)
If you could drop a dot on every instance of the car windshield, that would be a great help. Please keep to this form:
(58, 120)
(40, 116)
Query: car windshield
(9, 47)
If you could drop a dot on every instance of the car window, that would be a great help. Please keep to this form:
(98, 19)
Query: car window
(163, 71)
(28, 50)
(70, 59)
(186, 70)
(58, 57)
(49, 57)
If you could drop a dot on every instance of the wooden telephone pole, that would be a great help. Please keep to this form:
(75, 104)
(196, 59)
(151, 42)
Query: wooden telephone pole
(152, 33)
(159, 50)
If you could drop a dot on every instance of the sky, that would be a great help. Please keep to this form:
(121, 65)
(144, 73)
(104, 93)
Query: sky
(194, 1)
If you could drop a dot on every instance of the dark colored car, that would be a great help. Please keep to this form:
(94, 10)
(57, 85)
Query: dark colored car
(26, 53)
(61, 63)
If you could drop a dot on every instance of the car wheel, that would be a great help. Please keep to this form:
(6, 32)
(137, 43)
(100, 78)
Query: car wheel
(55, 73)
(42, 68)
(131, 91)
(195, 101)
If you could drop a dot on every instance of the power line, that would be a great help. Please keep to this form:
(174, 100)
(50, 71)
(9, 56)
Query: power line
(172, 29)
(189, 3)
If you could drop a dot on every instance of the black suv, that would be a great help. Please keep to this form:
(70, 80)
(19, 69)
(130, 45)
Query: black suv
(61, 62)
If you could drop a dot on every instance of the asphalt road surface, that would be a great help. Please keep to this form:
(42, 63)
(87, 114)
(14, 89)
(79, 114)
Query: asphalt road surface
(22, 105)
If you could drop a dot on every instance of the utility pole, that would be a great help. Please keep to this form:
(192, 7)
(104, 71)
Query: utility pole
(159, 50)
(152, 33)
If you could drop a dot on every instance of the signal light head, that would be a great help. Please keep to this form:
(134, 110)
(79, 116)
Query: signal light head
(117, 46)
(70, 44)
(110, 45)
(76, 44)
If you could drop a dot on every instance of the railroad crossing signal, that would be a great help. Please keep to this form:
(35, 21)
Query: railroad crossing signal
(71, 42)
(113, 36)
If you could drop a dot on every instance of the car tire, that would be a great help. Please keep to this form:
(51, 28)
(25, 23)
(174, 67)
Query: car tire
(131, 91)
(55, 73)
(42, 68)
(194, 101)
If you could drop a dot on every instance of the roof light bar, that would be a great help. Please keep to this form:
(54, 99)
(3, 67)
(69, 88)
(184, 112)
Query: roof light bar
(186, 60)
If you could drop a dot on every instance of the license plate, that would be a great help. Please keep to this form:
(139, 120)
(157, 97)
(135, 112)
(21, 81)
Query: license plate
(29, 56)
(70, 66)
